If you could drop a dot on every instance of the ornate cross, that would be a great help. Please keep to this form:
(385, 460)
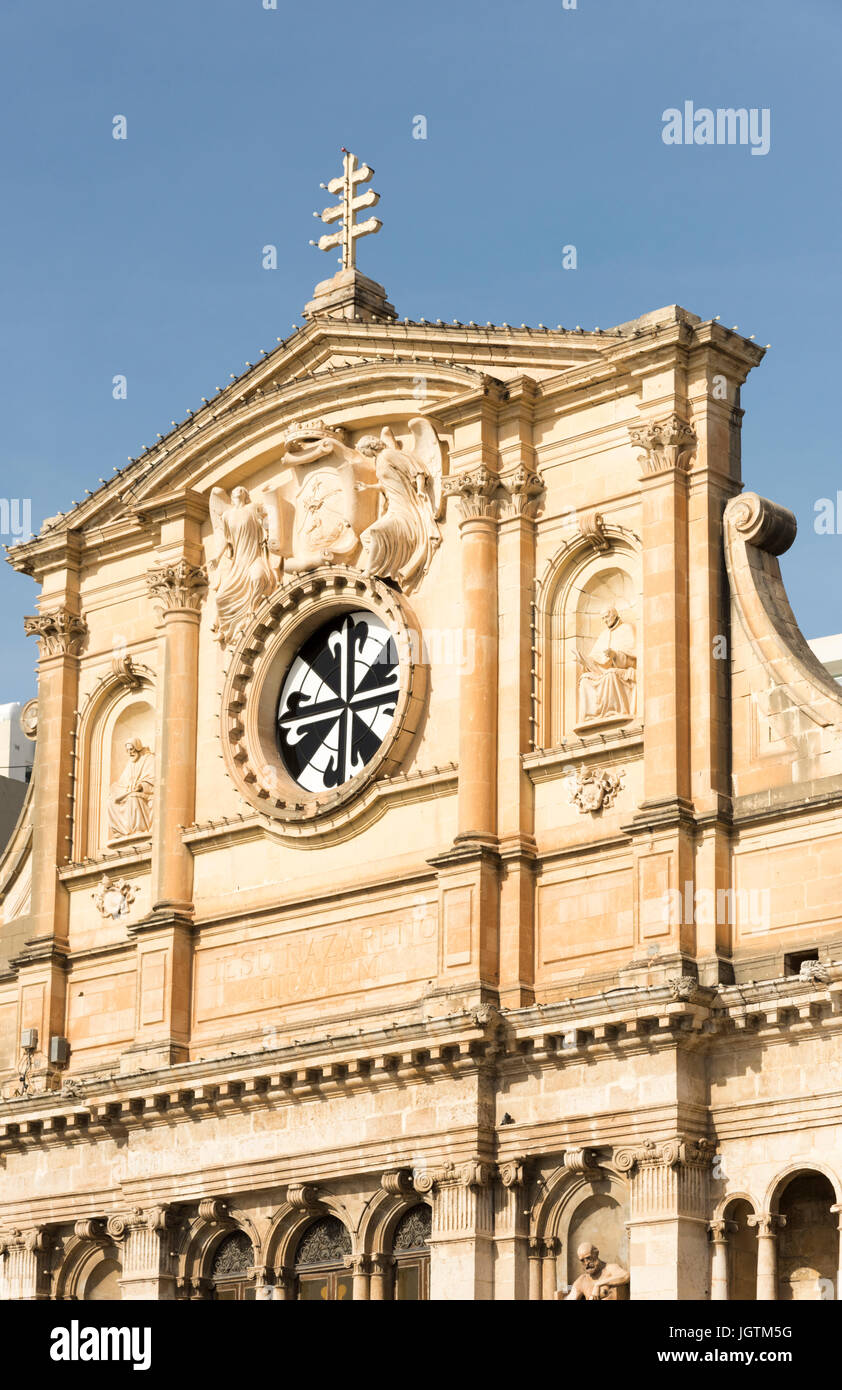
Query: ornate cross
(347, 210)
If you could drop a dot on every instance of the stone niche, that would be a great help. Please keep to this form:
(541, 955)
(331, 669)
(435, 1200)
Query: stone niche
(116, 790)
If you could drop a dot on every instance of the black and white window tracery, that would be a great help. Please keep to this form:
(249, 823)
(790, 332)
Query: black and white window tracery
(338, 700)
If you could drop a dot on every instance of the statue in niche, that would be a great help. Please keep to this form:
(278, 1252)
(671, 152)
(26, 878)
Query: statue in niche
(599, 1282)
(130, 802)
(248, 538)
(608, 674)
(401, 543)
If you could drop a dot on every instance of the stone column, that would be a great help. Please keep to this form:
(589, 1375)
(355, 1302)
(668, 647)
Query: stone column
(461, 1253)
(669, 1200)
(25, 1274)
(147, 1264)
(42, 962)
(164, 947)
(511, 1241)
(359, 1266)
(549, 1267)
(719, 1261)
(767, 1225)
(381, 1268)
(478, 517)
(536, 1258)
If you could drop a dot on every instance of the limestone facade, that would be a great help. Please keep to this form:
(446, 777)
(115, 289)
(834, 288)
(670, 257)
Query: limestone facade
(536, 942)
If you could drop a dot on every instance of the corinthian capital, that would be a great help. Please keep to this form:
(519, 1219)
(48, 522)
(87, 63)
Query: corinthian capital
(177, 586)
(475, 492)
(524, 488)
(59, 631)
(665, 444)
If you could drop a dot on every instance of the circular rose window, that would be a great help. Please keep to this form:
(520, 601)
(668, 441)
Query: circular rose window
(338, 701)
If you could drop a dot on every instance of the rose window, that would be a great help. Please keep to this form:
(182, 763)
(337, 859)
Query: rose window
(338, 701)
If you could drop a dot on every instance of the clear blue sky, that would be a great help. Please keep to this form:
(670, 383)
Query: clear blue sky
(143, 256)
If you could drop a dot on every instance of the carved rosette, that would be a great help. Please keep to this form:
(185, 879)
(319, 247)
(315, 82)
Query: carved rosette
(178, 587)
(665, 444)
(60, 632)
(761, 523)
(524, 488)
(476, 493)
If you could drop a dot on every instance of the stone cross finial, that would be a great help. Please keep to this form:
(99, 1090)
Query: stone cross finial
(346, 210)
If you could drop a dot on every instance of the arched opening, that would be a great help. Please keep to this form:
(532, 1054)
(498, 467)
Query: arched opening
(233, 1263)
(411, 1253)
(599, 1221)
(320, 1262)
(742, 1253)
(103, 1283)
(808, 1244)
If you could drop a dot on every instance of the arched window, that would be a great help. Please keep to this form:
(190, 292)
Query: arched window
(411, 1251)
(233, 1262)
(320, 1267)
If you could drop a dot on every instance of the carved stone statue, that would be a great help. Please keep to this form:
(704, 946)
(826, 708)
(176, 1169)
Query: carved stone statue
(608, 674)
(328, 513)
(248, 538)
(130, 802)
(401, 543)
(599, 1282)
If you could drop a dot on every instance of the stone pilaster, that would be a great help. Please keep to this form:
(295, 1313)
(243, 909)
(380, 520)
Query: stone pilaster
(664, 861)
(164, 943)
(145, 1241)
(511, 1237)
(461, 1253)
(515, 793)
(668, 1245)
(61, 632)
(24, 1269)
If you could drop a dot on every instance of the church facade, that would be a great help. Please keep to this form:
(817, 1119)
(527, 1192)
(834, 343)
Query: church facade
(432, 860)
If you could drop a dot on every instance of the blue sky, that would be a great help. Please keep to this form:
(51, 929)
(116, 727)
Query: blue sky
(143, 256)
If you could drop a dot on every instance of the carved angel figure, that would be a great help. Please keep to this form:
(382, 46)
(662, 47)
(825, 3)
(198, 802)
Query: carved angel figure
(401, 543)
(130, 802)
(248, 538)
